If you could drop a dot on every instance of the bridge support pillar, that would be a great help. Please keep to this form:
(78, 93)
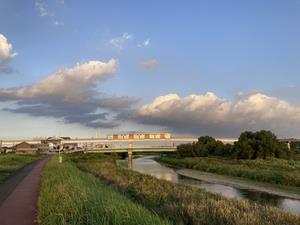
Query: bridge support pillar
(129, 159)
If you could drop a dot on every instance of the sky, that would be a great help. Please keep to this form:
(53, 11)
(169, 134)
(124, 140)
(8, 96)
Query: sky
(77, 68)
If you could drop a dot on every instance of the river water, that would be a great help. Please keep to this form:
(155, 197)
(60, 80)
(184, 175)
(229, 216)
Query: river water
(147, 165)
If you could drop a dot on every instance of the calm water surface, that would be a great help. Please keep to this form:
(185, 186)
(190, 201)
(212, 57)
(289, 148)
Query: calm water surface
(147, 165)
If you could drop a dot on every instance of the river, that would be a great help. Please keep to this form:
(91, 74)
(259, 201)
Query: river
(147, 165)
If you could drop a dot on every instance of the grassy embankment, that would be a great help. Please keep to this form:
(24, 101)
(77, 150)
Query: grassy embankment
(182, 204)
(279, 172)
(70, 196)
(11, 162)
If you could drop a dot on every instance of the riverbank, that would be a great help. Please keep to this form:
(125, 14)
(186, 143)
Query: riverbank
(180, 203)
(11, 162)
(282, 174)
(237, 183)
(70, 196)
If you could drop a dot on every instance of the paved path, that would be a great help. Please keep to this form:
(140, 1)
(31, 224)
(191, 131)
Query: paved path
(235, 182)
(11, 182)
(20, 207)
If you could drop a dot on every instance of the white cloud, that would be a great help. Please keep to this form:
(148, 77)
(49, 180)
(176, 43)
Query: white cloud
(41, 8)
(145, 44)
(71, 94)
(68, 84)
(6, 54)
(44, 11)
(208, 114)
(150, 64)
(57, 23)
(119, 42)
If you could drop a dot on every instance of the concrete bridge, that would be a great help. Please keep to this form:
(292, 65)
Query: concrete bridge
(291, 141)
(99, 143)
(86, 141)
(136, 149)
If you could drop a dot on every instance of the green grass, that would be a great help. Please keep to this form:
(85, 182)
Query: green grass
(183, 204)
(284, 173)
(11, 162)
(70, 196)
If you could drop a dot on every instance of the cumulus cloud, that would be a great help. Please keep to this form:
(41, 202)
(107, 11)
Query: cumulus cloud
(118, 42)
(150, 64)
(209, 114)
(6, 54)
(70, 93)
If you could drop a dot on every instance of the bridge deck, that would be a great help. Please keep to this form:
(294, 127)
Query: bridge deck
(119, 150)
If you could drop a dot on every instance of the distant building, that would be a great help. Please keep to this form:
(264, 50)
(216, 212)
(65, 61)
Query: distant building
(6, 149)
(26, 148)
(42, 147)
(55, 143)
(70, 146)
(137, 136)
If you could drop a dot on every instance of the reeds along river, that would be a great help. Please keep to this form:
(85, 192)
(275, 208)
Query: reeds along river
(146, 165)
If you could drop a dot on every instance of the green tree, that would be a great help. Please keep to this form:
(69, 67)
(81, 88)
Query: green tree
(262, 144)
(205, 146)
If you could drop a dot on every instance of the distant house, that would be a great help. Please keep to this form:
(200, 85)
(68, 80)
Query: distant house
(42, 147)
(55, 143)
(25, 147)
(6, 149)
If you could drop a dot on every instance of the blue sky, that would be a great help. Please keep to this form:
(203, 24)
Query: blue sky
(228, 48)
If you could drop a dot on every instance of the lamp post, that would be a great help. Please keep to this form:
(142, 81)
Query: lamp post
(59, 156)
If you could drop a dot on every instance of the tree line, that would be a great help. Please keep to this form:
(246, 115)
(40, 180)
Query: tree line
(250, 145)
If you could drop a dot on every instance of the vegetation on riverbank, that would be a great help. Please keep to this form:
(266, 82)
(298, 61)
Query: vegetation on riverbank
(183, 204)
(70, 196)
(250, 145)
(274, 171)
(11, 162)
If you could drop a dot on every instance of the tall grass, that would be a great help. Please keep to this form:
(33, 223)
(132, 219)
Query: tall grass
(70, 196)
(274, 171)
(11, 162)
(184, 204)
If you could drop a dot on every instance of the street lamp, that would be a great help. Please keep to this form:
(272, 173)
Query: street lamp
(59, 155)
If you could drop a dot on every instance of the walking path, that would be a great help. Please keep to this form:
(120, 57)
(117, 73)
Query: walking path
(13, 179)
(235, 182)
(20, 207)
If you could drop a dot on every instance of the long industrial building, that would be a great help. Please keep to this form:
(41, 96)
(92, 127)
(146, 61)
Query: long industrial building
(134, 136)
